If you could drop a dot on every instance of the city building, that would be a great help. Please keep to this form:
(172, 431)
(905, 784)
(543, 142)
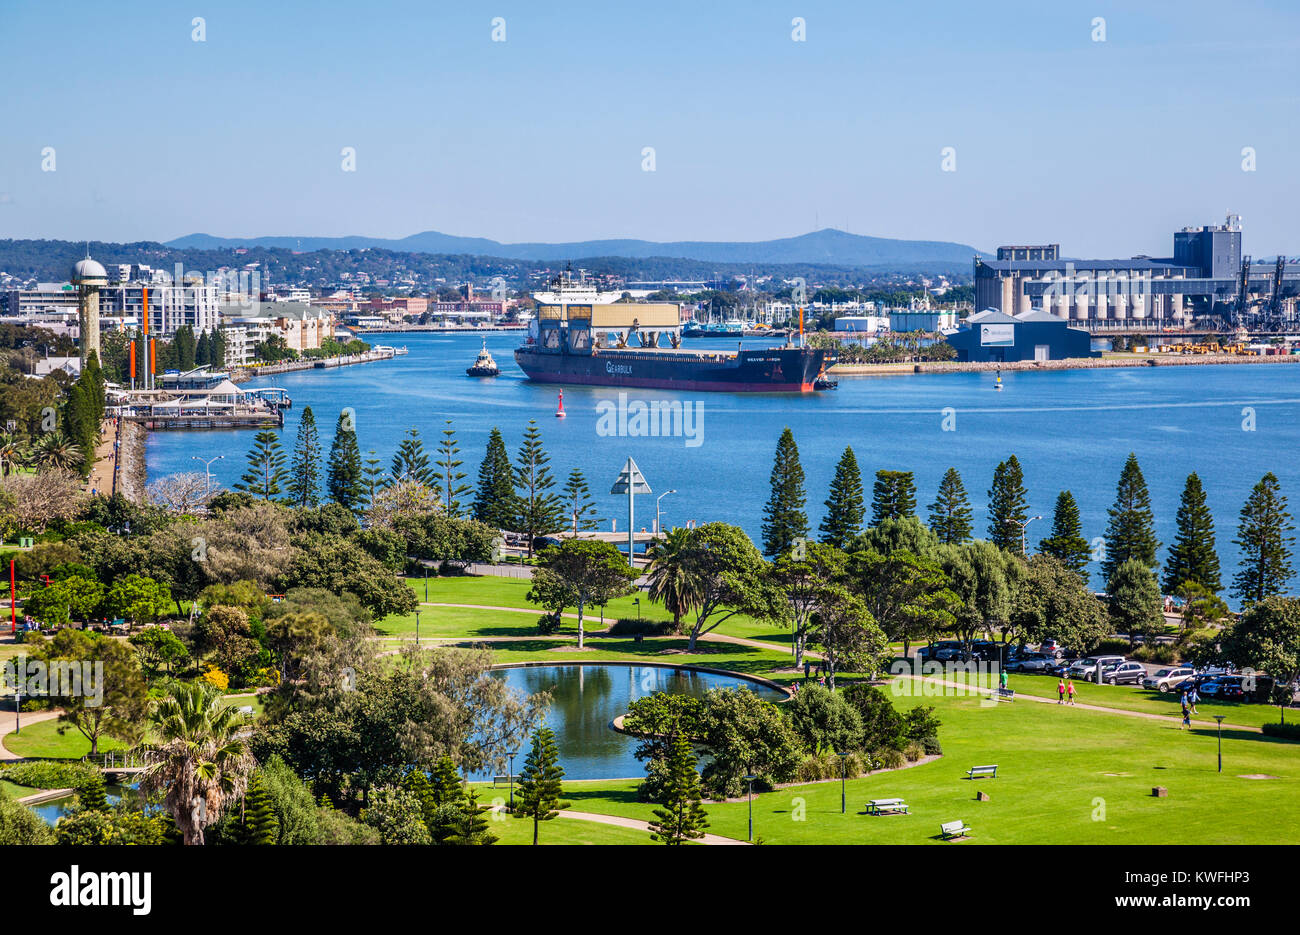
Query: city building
(1203, 277)
(921, 319)
(996, 337)
(89, 277)
(303, 327)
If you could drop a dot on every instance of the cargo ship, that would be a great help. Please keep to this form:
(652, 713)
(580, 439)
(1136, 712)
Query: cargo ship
(579, 336)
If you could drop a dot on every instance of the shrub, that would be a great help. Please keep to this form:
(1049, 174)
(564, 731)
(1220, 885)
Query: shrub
(99, 827)
(1161, 653)
(827, 766)
(931, 745)
(824, 720)
(21, 825)
(890, 758)
(913, 751)
(46, 774)
(216, 678)
(1285, 731)
(1111, 647)
(548, 623)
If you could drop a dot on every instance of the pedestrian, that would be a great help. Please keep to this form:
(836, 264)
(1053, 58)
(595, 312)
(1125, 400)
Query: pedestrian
(1192, 697)
(1003, 680)
(1060, 692)
(1069, 690)
(807, 669)
(1187, 714)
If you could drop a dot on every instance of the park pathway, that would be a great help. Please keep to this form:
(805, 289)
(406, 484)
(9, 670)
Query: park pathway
(1087, 707)
(28, 720)
(635, 824)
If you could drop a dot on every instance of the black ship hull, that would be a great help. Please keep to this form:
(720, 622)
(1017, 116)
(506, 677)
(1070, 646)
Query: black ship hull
(770, 370)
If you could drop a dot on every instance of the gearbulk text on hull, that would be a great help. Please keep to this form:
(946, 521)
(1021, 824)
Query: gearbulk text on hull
(580, 336)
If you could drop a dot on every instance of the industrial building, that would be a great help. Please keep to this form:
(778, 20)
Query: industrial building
(1204, 277)
(992, 336)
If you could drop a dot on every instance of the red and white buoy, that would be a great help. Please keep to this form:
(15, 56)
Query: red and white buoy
(559, 412)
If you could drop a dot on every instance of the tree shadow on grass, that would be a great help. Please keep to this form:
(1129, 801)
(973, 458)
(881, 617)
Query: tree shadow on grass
(1230, 734)
(623, 796)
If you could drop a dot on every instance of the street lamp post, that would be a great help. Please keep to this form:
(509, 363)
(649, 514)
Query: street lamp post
(749, 778)
(1024, 546)
(207, 471)
(843, 800)
(1219, 718)
(511, 774)
(637, 602)
(417, 627)
(426, 584)
(659, 526)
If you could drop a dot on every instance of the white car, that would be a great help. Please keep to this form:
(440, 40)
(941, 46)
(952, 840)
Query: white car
(1086, 668)
(1164, 680)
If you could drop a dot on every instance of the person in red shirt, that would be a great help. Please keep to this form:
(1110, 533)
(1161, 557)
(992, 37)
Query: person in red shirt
(1069, 690)
(1060, 692)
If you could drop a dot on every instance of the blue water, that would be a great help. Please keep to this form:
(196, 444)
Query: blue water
(1070, 429)
(586, 698)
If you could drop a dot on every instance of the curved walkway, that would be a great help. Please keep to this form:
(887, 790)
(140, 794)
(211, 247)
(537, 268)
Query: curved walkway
(27, 720)
(636, 825)
(1087, 707)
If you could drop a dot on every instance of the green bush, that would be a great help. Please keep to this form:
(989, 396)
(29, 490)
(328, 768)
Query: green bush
(914, 751)
(1162, 653)
(1111, 647)
(1289, 731)
(827, 766)
(890, 758)
(548, 624)
(21, 825)
(45, 774)
(931, 745)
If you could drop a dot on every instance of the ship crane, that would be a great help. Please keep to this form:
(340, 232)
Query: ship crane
(1275, 301)
(1243, 291)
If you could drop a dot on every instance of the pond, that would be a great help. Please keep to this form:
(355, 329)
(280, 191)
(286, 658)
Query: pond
(587, 697)
(55, 809)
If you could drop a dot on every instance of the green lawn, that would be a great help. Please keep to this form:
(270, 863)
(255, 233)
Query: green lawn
(11, 790)
(44, 740)
(564, 831)
(1066, 776)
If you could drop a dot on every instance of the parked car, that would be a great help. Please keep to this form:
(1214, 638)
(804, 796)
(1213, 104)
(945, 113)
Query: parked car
(1124, 673)
(940, 651)
(1034, 662)
(1224, 688)
(1164, 680)
(1195, 680)
(1051, 647)
(1086, 668)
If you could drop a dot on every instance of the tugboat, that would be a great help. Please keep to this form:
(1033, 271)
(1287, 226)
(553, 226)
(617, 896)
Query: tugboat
(484, 366)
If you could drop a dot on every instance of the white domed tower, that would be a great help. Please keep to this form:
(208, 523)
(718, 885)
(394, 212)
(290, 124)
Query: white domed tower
(89, 277)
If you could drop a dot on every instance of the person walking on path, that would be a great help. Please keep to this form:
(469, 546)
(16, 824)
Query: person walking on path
(1003, 680)
(1187, 715)
(1069, 690)
(1192, 697)
(1060, 692)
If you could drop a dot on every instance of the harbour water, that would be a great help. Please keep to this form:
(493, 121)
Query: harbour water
(1070, 429)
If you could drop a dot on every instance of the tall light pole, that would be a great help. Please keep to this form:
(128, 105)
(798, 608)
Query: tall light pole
(511, 774)
(1219, 718)
(843, 802)
(1024, 547)
(207, 471)
(417, 627)
(659, 526)
(749, 778)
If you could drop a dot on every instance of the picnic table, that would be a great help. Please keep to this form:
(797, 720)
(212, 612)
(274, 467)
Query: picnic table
(887, 807)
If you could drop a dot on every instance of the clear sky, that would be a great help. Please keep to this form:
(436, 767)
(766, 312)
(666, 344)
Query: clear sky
(1104, 147)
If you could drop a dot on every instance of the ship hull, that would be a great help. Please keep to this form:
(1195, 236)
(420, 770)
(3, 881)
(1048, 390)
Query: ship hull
(774, 370)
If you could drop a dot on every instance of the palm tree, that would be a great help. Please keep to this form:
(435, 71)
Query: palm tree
(13, 453)
(199, 758)
(55, 451)
(671, 580)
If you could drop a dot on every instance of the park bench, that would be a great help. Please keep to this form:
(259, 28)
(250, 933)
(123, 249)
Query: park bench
(1005, 694)
(975, 772)
(953, 829)
(501, 780)
(887, 807)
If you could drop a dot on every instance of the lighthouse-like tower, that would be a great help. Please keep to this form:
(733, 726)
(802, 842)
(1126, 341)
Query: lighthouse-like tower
(89, 277)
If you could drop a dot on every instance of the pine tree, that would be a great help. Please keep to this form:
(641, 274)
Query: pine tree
(1066, 543)
(844, 507)
(471, 824)
(259, 826)
(1008, 505)
(183, 347)
(449, 474)
(893, 496)
(494, 499)
(578, 503)
(538, 511)
(265, 475)
(540, 784)
(682, 818)
(1192, 557)
(93, 795)
(373, 478)
(343, 475)
(784, 520)
(1131, 531)
(217, 353)
(203, 350)
(304, 471)
(1265, 544)
(950, 513)
(411, 463)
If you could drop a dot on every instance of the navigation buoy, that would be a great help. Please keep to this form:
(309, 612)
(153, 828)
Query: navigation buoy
(998, 385)
(559, 412)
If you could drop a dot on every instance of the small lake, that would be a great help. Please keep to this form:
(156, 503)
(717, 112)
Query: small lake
(586, 698)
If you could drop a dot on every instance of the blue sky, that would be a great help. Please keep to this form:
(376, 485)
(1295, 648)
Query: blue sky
(1105, 147)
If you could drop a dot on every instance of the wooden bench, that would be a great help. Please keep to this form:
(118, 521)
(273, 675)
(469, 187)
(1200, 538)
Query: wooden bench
(887, 807)
(501, 780)
(975, 772)
(1005, 694)
(953, 829)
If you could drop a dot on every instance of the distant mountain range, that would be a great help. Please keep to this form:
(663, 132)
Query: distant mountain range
(828, 246)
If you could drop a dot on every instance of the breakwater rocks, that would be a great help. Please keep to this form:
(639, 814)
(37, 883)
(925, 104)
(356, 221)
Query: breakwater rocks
(1078, 363)
(131, 474)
